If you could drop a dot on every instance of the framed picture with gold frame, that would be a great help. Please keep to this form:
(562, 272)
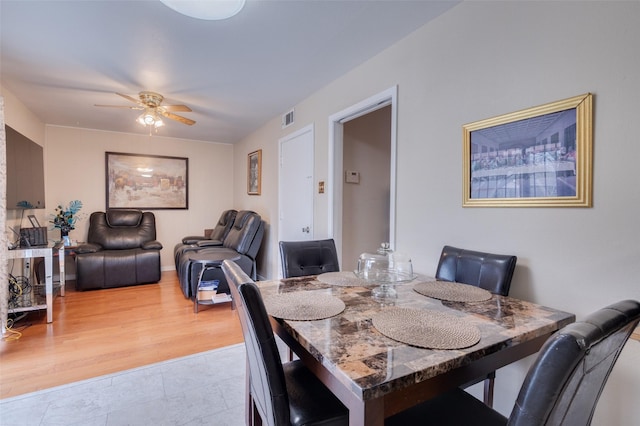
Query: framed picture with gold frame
(537, 157)
(254, 173)
(147, 182)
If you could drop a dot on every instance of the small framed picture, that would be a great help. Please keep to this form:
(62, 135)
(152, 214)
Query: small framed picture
(254, 173)
(34, 221)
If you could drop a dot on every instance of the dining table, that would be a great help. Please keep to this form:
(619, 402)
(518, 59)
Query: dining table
(382, 356)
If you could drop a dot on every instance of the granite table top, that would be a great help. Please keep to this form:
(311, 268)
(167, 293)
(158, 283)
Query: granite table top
(372, 365)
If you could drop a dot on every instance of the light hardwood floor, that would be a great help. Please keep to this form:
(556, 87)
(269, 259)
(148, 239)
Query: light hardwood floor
(104, 331)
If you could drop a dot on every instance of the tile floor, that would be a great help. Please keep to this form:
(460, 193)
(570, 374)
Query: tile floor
(208, 389)
(200, 389)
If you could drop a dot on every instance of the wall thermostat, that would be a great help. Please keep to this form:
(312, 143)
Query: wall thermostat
(352, 176)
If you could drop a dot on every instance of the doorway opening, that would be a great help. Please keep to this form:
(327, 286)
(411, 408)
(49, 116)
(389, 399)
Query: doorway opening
(362, 176)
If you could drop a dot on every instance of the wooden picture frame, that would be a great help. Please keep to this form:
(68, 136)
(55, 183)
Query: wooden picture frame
(146, 182)
(254, 173)
(537, 157)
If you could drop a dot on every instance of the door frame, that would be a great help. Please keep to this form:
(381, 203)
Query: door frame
(334, 178)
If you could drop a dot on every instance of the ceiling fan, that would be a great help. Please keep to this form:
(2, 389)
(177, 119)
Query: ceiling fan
(153, 110)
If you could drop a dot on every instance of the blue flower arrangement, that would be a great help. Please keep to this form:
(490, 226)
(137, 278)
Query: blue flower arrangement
(65, 218)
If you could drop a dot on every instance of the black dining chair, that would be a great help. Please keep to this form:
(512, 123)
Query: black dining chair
(492, 272)
(300, 258)
(281, 394)
(562, 386)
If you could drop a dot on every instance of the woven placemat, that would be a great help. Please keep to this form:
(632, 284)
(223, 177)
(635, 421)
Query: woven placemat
(426, 329)
(343, 279)
(452, 291)
(303, 306)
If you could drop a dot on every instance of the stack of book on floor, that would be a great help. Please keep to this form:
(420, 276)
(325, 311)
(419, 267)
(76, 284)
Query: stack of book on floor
(208, 292)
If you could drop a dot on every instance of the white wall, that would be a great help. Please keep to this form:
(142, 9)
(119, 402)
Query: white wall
(21, 119)
(479, 60)
(75, 169)
(75, 164)
(25, 122)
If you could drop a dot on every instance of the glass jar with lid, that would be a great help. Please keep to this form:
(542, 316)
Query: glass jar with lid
(386, 268)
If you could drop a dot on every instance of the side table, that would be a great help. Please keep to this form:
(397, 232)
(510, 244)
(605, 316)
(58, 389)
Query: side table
(45, 252)
(61, 254)
(205, 266)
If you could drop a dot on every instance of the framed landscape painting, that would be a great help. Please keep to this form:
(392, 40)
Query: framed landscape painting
(146, 182)
(538, 157)
(254, 173)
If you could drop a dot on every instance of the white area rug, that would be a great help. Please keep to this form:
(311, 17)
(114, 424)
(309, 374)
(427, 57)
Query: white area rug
(200, 389)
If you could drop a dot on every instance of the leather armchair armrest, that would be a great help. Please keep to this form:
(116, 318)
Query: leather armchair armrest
(192, 239)
(88, 248)
(209, 243)
(152, 245)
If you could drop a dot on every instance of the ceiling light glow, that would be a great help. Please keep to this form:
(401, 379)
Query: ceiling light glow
(211, 10)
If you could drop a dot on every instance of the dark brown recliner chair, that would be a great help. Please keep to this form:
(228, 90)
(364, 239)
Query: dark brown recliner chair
(241, 245)
(121, 250)
(213, 238)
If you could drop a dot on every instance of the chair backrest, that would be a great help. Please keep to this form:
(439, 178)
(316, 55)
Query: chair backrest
(121, 228)
(492, 272)
(266, 375)
(301, 258)
(223, 226)
(563, 385)
(245, 235)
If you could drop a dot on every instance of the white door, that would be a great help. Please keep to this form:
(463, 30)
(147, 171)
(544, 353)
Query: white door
(296, 186)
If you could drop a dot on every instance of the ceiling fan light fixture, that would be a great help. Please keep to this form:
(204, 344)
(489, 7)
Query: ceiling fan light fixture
(150, 118)
(211, 10)
(153, 111)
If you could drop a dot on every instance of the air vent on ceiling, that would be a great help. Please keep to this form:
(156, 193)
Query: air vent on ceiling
(287, 119)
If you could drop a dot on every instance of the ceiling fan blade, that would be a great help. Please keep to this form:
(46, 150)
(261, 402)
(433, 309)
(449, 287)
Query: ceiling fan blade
(179, 118)
(129, 98)
(182, 108)
(118, 106)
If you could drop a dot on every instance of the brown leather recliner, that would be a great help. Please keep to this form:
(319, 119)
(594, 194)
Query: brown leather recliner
(213, 238)
(121, 250)
(241, 245)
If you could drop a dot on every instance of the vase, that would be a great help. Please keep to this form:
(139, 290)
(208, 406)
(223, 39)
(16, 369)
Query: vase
(66, 241)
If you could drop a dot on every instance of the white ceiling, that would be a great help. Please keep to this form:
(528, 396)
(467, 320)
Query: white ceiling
(62, 57)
